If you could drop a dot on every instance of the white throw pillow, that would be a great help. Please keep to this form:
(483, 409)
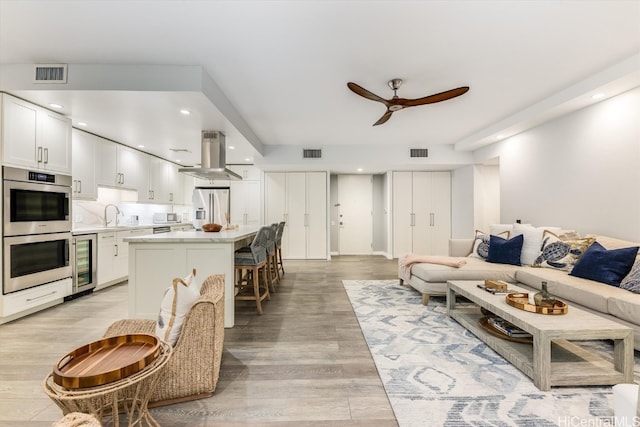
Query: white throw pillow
(498, 229)
(532, 244)
(176, 303)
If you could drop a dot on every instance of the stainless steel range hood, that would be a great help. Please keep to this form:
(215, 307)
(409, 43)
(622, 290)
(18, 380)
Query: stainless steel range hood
(213, 159)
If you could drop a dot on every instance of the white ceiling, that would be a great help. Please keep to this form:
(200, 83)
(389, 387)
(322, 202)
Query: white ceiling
(284, 65)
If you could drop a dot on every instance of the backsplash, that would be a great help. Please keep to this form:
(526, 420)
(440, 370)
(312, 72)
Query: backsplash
(90, 214)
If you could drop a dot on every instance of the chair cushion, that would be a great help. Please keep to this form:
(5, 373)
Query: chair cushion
(176, 303)
(253, 257)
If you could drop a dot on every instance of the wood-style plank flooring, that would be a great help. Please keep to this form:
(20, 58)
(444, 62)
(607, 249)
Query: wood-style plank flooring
(303, 363)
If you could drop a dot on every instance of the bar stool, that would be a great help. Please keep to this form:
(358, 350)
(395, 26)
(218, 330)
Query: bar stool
(272, 267)
(279, 263)
(253, 259)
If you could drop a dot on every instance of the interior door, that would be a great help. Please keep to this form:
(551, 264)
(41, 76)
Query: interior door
(355, 197)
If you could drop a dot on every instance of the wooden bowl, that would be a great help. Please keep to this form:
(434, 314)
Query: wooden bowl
(211, 227)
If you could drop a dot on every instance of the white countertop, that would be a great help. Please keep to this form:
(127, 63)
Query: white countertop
(88, 230)
(193, 236)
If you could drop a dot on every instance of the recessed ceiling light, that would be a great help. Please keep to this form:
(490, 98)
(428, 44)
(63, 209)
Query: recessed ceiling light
(231, 147)
(185, 112)
(597, 96)
(499, 136)
(82, 124)
(248, 159)
(53, 105)
(359, 169)
(140, 146)
(178, 160)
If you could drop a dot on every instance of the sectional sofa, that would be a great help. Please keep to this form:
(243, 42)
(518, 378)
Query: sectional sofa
(612, 302)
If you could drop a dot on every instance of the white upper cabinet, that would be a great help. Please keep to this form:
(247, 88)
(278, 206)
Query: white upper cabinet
(166, 185)
(247, 172)
(122, 167)
(84, 161)
(34, 137)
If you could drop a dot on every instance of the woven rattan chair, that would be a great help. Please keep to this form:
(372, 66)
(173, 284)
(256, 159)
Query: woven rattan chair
(273, 275)
(193, 370)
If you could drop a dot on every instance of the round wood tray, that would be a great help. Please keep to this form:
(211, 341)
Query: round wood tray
(521, 300)
(484, 324)
(109, 359)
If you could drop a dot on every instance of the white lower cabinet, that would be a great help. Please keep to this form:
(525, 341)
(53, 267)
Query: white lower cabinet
(299, 199)
(113, 255)
(33, 299)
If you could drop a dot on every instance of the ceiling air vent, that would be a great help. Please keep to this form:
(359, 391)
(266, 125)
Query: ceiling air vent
(419, 152)
(50, 73)
(309, 153)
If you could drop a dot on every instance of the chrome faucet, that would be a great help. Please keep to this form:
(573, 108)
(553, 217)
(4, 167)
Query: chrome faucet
(106, 223)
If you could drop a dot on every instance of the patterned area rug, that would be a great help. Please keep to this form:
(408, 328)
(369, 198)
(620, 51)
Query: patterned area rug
(436, 373)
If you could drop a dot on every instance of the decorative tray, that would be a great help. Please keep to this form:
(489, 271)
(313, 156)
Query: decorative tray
(484, 324)
(521, 301)
(107, 360)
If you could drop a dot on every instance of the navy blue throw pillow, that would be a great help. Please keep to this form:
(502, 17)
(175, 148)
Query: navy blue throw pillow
(605, 266)
(503, 251)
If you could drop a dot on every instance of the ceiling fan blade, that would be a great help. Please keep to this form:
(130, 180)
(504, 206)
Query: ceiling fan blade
(384, 118)
(438, 97)
(365, 93)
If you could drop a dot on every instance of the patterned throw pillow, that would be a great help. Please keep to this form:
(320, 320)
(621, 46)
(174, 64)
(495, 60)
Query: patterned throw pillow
(632, 281)
(561, 253)
(176, 303)
(481, 244)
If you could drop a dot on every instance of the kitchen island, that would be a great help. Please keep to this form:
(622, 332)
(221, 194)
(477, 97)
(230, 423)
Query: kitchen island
(156, 259)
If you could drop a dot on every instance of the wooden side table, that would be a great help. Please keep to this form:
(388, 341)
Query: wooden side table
(129, 395)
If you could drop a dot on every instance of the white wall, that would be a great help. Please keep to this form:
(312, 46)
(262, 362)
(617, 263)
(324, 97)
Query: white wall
(580, 171)
(486, 193)
(462, 202)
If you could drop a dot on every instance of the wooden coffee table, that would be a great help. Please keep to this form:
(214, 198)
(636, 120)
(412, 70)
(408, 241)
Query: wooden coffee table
(554, 358)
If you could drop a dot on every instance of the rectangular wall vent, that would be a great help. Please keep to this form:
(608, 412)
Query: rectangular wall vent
(419, 152)
(309, 153)
(50, 73)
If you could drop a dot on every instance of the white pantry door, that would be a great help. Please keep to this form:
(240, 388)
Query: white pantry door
(355, 196)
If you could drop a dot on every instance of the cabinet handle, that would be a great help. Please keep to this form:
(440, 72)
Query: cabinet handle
(122, 175)
(46, 155)
(75, 186)
(115, 247)
(79, 186)
(39, 155)
(41, 296)
(432, 219)
(171, 197)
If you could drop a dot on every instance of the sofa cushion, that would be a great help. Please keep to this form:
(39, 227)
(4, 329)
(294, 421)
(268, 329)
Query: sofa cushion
(606, 266)
(532, 244)
(568, 288)
(631, 282)
(481, 244)
(625, 305)
(505, 251)
(475, 269)
(561, 253)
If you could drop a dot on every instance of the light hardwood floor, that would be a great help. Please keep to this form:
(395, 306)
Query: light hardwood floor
(303, 363)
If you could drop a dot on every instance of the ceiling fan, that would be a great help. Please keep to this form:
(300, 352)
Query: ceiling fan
(395, 103)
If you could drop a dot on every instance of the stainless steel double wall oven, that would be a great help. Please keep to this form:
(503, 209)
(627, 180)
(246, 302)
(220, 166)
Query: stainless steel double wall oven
(36, 230)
